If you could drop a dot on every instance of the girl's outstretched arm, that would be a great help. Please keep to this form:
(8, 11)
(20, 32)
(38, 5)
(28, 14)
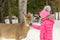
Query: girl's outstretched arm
(38, 27)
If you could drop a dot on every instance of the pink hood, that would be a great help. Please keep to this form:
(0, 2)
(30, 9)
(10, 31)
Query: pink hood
(44, 13)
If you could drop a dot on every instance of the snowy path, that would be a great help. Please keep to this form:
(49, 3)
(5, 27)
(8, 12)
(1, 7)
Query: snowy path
(56, 30)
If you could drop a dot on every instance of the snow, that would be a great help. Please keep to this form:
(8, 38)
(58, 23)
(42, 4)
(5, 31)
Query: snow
(33, 34)
(56, 14)
(13, 21)
(5, 39)
(56, 30)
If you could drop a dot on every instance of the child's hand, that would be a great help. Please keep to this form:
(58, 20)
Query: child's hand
(30, 24)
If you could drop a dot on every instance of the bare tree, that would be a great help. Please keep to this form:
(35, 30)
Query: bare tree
(46, 2)
(10, 15)
(2, 2)
(22, 9)
(57, 2)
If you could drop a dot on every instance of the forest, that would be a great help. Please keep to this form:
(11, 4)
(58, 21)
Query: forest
(11, 7)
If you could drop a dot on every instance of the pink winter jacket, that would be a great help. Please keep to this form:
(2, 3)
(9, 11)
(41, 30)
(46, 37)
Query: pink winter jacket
(46, 28)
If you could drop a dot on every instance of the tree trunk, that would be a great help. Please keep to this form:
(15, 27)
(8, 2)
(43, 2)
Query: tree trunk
(58, 7)
(46, 2)
(10, 15)
(2, 15)
(2, 11)
(22, 9)
(59, 10)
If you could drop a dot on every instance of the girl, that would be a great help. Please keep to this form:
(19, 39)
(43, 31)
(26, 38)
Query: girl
(46, 26)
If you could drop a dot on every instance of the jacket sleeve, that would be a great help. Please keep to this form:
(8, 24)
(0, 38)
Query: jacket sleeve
(38, 27)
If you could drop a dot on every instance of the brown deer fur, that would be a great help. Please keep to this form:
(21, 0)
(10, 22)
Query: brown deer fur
(17, 31)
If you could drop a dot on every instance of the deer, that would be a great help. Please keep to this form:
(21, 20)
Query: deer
(18, 30)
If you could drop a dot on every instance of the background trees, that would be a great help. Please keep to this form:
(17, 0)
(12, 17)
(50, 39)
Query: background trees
(12, 6)
(33, 6)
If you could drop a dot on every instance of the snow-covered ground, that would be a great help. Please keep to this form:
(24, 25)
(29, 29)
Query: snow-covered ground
(13, 21)
(33, 34)
(56, 30)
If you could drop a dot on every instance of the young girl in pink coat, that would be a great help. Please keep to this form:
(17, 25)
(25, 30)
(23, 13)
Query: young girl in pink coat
(46, 26)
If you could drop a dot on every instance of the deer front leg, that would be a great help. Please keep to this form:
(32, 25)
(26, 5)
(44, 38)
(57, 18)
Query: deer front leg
(18, 37)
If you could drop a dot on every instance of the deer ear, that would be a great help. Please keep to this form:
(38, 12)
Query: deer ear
(26, 15)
